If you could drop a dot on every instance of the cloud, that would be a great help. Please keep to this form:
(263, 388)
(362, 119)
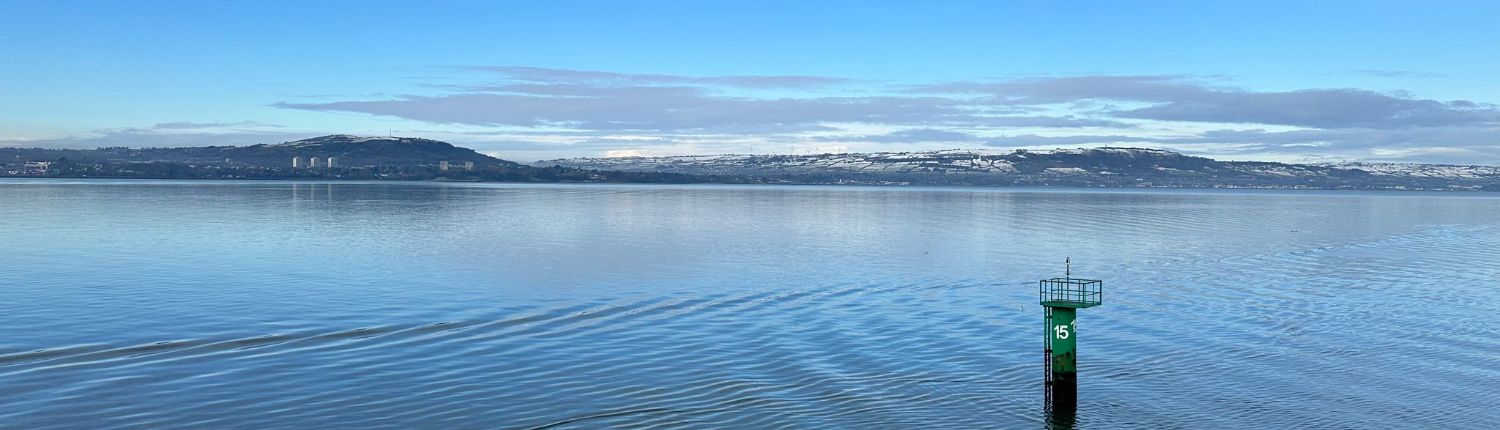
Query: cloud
(1172, 98)
(1035, 140)
(672, 109)
(608, 101)
(594, 100)
(1065, 121)
(186, 125)
(151, 137)
(906, 136)
(1333, 108)
(587, 112)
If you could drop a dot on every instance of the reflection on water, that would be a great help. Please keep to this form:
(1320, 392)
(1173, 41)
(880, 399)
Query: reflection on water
(184, 304)
(1061, 414)
(312, 191)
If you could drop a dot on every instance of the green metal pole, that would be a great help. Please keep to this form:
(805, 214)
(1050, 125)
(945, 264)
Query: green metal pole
(1064, 353)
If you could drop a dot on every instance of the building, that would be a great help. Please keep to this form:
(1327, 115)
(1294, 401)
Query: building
(312, 162)
(468, 165)
(36, 166)
(443, 166)
(332, 162)
(296, 162)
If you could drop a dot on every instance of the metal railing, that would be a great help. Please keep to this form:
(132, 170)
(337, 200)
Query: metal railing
(1071, 292)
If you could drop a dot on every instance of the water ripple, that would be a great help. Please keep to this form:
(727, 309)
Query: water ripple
(395, 306)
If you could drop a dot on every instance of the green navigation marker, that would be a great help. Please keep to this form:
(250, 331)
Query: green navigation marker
(1062, 298)
(1064, 343)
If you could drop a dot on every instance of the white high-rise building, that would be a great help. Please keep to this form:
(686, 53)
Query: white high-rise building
(312, 162)
(443, 165)
(296, 162)
(468, 165)
(332, 162)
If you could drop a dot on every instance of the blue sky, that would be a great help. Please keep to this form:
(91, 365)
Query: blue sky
(1287, 81)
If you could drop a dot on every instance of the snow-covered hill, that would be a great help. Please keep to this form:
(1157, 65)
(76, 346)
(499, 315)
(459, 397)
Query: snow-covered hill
(1444, 171)
(1078, 167)
(953, 161)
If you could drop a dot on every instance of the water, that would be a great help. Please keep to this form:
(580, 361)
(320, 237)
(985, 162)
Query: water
(263, 305)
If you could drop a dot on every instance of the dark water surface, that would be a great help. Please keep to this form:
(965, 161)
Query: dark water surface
(263, 305)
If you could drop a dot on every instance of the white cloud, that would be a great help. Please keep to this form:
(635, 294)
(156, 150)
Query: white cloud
(539, 112)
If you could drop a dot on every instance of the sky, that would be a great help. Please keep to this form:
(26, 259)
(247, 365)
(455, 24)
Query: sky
(1296, 81)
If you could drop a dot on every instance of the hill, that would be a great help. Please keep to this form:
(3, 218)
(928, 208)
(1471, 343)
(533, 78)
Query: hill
(351, 151)
(1096, 167)
(363, 158)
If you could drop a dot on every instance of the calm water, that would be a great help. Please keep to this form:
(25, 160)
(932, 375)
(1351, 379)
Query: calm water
(263, 305)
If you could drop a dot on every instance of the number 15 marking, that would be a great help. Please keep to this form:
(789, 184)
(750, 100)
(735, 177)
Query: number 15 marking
(1063, 331)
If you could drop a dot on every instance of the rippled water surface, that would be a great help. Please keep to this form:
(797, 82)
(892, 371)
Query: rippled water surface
(261, 305)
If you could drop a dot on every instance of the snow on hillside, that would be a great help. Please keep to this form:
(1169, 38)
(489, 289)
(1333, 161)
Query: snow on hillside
(1421, 170)
(1078, 167)
(952, 160)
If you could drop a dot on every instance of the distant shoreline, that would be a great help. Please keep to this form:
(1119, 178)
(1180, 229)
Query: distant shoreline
(763, 183)
(347, 157)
